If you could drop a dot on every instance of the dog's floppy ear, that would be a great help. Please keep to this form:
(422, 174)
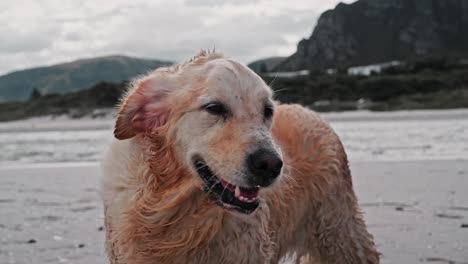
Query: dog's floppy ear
(145, 107)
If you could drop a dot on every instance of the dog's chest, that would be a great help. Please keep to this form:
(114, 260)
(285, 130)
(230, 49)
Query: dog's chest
(238, 243)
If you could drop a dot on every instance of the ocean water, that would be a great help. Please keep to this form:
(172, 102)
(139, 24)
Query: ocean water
(394, 136)
(404, 140)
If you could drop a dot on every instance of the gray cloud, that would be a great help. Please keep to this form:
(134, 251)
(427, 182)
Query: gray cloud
(24, 43)
(52, 31)
(218, 2)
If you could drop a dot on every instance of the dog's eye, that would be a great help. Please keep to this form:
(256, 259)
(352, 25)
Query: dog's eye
(216, 109)
(268, 111)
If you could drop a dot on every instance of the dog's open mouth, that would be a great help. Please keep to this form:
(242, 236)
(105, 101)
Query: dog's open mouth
(242, 199)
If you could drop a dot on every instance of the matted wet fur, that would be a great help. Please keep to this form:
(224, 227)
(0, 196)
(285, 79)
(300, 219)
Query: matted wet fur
(158, 209)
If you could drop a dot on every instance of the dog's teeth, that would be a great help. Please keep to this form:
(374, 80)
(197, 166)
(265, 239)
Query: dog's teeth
(253, 199)
(237, 192)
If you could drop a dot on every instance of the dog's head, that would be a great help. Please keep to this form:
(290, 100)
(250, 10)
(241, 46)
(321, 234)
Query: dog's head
(217, 114)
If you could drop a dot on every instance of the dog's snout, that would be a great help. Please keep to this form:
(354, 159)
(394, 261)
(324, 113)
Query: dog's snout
(265, 166)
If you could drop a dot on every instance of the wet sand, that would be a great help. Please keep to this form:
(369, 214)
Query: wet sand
(417, 211)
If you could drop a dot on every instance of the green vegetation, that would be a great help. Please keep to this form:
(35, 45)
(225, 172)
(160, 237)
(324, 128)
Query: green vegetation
(433, 83)
(77, 104)
(428, 84)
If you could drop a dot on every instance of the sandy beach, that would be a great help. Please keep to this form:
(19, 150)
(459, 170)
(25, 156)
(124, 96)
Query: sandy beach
(410, 172)
(417, 211)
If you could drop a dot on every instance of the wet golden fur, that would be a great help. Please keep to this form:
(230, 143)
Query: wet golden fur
(155, 211)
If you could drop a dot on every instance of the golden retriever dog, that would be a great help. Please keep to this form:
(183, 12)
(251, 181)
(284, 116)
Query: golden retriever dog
(208, 168)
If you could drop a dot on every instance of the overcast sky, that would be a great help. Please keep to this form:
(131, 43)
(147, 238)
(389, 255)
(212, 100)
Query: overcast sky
(45, 32)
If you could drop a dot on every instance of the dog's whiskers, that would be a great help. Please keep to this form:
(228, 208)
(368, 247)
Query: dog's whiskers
(273, 81)
(276, 92)
(209, 190)
(282, 89)
(287, 177)
(224, 189)
(295, 170)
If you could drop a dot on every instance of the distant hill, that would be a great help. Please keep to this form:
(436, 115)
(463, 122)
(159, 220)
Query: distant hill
(73, 76)
(265, 65)
(74, 104)
(373, 31)
(427, 84)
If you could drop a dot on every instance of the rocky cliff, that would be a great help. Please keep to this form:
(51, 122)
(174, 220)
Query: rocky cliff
(374, 31)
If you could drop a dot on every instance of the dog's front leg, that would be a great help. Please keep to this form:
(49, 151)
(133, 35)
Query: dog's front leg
(342, 235)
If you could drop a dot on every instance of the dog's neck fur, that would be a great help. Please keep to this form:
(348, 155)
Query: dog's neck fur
(172, 216)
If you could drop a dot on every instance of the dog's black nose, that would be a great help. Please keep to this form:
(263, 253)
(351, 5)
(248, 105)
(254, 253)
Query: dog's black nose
(265, 165)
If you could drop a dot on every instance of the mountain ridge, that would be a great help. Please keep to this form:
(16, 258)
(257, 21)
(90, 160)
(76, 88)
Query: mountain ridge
(375, 31)
(73, 76)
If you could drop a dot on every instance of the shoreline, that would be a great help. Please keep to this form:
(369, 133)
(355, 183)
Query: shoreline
(42, 165)
(65, 123)
(88, 164)
(81, 164)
